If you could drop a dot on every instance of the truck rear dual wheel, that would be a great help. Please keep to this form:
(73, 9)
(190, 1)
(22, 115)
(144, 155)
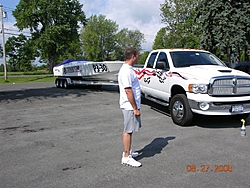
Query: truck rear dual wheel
(180, 111)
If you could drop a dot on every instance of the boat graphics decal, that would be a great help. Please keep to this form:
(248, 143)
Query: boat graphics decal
(97, 68)
(71, 69)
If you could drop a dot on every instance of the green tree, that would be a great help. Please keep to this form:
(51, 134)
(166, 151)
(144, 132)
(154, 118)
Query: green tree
(127, 38)
(181, 28)
(225, 26)
(101, 40)
(160, 41)
(53, 25)
(98, 38)
(20, 53)
(143, 57)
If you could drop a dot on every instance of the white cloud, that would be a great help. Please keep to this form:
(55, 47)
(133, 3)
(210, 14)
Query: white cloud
(143, 15)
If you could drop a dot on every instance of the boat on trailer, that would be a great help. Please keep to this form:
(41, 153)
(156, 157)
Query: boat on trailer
(82, 72)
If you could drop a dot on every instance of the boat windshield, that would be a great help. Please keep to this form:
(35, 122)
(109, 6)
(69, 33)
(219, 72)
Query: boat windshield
(192, 58)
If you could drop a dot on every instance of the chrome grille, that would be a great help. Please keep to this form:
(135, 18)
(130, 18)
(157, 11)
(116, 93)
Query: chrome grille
(230, 86)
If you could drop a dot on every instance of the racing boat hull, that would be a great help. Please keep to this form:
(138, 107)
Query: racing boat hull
(89, 70)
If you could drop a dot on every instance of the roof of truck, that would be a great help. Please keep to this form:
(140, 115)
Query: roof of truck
(179, 49)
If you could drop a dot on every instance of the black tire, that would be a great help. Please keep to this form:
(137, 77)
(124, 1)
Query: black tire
(61, 83)
(180, 111)
(239, 116)
(57, 82)
(65, 84)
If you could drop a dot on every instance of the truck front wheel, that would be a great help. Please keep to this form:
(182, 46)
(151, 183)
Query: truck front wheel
(180, 111)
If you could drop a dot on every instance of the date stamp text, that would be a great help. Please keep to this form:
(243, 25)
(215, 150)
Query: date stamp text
(209, 168)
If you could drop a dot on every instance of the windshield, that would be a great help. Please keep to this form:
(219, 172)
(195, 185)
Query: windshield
(191, 58)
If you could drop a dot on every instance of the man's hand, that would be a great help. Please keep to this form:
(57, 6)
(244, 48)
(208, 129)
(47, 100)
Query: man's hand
(137, 112)
(131, 99)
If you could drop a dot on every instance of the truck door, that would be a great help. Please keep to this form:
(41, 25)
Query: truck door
(148, 73)
(160, 79)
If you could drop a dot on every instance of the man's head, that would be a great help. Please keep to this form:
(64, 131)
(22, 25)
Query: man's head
(131, 56)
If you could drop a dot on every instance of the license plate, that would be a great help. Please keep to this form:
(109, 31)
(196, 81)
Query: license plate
(237, 108)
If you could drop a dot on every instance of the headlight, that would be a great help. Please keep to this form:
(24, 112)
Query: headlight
(197, 88)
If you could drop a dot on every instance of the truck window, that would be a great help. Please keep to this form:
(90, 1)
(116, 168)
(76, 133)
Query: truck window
(151, 60)
(186, 59)
(163, 57)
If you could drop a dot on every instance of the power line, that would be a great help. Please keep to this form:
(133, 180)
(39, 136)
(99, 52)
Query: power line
(16, 34)
(10, 19)
(8, 11)
(17, 31)
(4, 7)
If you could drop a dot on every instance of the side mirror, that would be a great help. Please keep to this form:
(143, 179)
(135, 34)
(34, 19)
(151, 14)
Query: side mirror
(161, 65)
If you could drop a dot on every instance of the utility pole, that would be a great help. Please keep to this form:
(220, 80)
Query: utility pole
(3, 42)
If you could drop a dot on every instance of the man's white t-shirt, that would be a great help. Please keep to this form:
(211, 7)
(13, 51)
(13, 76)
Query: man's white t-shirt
(128, 78)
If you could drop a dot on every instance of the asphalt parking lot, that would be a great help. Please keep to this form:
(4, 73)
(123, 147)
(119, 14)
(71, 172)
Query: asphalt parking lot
(52, 137)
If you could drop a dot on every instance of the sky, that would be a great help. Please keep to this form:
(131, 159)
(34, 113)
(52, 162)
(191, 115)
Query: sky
(143, 15)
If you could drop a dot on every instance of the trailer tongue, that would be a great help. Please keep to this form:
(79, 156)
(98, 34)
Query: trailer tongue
(81, 72)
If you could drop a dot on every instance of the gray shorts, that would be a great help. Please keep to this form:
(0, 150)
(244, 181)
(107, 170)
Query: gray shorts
(132, 123)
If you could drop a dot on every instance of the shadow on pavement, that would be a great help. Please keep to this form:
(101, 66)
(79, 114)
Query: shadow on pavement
(51, 92)
(155, 147)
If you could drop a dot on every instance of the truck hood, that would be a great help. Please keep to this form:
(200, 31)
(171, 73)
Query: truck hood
(205, 72)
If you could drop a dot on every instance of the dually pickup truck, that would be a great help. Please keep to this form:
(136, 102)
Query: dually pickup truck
(192, 82)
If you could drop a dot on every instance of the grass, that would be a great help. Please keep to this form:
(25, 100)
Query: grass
(38, 72)
(23, 77)
(11, 80)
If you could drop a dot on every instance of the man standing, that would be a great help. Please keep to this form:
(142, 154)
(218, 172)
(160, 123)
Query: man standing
(130, 100)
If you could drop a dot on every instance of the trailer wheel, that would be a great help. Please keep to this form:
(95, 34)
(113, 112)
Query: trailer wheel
(65, 84)
(57, 83)
(61, 83)
(180, 111)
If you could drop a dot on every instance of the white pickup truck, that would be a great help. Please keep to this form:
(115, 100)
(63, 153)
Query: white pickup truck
(194, 81)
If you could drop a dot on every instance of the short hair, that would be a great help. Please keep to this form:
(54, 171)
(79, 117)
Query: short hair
(129, 52)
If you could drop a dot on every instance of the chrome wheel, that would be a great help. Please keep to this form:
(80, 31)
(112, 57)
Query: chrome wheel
(178, 110)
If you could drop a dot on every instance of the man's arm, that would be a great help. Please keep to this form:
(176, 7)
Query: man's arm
(131, 99)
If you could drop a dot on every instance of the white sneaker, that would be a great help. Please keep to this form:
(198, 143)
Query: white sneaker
(129, 161)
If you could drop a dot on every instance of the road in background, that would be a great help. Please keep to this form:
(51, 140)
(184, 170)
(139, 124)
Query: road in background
(23, 76)
(52, 137)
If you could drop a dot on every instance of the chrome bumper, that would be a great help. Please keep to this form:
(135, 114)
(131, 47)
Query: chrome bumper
(219, 108)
